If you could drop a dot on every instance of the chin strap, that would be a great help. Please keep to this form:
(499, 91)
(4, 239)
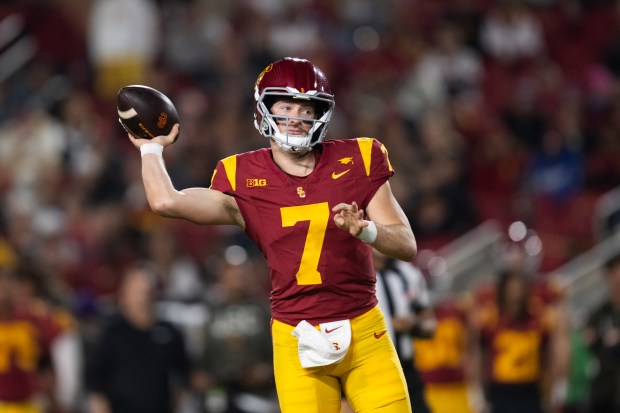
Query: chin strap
(292, 149)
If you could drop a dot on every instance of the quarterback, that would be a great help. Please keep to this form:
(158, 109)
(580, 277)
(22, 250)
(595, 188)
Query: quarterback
(315, 208)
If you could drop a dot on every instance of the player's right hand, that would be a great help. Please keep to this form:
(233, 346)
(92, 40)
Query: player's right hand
(163, 140)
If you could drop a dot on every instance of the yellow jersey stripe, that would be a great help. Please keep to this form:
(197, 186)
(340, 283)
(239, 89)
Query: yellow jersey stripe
(387, 158)
(230, 166)
(365, 145)
(213, 177)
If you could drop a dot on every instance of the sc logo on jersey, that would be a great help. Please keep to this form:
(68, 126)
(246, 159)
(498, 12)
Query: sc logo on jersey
(253, 182)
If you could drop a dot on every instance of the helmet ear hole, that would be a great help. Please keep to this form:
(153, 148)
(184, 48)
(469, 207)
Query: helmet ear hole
(269, 101)
(321, 109)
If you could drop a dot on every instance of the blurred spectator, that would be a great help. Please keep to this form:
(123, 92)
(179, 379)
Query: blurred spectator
(512, 32)
(38, 288)
(85, 128)
(178, 275)
(237, 363)
(496, 171)
(141, 364)
(203, 25)
(523, 116)
(611, 55)
(421, 88)
(467, 15)
(523, 345)
(442, 203)
(603, 172)
(602, 335)
(556, 171)
(405, 302)
(39, 360)
(445, 361)
(180, 287)
(459, 65)
(123, 43)
(31, 150)
(298, 34)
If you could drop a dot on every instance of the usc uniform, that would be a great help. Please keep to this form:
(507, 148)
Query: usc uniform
(515, 348)
(442, 359)
(26, 337)
(319, 273)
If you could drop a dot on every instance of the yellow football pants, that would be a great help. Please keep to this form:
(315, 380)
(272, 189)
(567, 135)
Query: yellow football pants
(22, 407)
(370, 373)
(447, 398)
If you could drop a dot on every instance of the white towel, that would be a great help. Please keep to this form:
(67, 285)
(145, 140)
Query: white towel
(324, 347)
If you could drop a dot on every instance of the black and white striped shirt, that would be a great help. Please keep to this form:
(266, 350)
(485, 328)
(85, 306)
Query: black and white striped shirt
(401, 288)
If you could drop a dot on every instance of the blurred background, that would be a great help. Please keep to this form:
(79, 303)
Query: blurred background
(501, 117)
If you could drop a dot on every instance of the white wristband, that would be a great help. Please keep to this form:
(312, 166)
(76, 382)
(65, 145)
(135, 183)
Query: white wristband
(152, 147)
(369, 233)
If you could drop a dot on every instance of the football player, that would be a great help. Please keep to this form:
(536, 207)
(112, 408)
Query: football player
(529, 308)
(522, 346)
(315, 208)
(36, 371)
(445, 360)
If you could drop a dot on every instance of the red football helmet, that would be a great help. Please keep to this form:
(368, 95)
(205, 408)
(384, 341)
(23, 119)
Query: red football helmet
(297, 79)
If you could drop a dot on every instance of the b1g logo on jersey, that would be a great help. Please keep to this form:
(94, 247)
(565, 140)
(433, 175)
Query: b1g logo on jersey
(253, 182)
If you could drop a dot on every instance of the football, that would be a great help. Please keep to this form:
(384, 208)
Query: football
(145, 112)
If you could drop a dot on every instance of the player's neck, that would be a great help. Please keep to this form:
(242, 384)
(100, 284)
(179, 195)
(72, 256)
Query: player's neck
(296, 164)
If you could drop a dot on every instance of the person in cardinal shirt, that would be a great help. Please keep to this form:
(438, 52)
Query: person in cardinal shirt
(32, 333)
(315, 208)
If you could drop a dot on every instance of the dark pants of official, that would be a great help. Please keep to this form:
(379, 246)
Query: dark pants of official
(415, 386)
(515, 398)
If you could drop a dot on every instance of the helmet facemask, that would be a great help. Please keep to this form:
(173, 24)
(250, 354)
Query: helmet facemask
(267, 123)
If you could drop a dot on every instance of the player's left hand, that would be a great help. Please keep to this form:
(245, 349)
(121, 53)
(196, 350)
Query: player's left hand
(349, 218)
(404, 324)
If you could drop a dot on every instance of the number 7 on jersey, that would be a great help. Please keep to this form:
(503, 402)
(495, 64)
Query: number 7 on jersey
(318, 215)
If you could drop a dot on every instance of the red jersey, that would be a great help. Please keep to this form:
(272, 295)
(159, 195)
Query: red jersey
(25, 340)
(515, 347)
(319, 273)
(442, 359)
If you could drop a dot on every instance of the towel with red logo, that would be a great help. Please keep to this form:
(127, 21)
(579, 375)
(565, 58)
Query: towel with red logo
(324, 346)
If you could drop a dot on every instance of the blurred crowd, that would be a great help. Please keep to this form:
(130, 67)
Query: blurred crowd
(491, 109)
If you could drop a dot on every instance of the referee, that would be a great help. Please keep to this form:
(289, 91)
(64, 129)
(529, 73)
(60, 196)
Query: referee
(404, 300)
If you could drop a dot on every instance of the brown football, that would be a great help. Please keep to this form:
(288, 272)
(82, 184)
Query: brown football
(145, 112)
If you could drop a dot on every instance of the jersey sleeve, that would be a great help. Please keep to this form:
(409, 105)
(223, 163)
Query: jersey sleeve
(224, 178)
(376, 164)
